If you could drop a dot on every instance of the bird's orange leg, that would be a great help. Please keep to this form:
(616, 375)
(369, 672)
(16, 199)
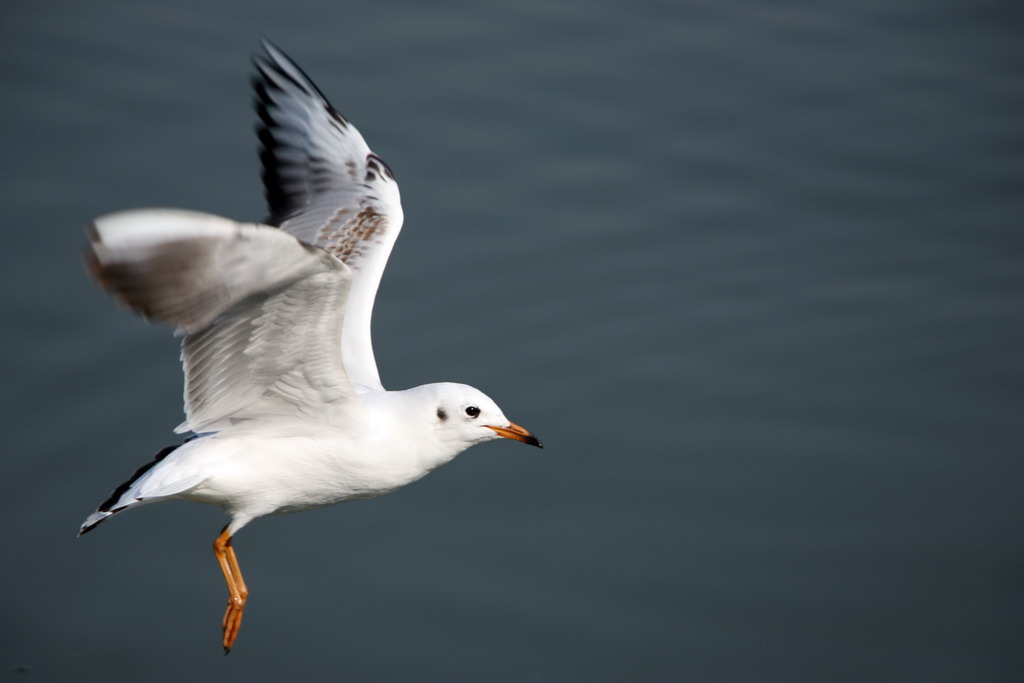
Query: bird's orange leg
(238, 592)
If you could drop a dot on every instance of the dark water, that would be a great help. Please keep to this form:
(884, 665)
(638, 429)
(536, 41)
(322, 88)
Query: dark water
(752, 270)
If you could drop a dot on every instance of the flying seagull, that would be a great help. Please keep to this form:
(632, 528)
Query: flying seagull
(282, 395)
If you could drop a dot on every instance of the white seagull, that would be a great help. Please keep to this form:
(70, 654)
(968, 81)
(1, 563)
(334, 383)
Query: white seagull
(281, 387)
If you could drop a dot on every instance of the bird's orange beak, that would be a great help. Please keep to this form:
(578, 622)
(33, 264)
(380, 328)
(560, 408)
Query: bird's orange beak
(514, 431)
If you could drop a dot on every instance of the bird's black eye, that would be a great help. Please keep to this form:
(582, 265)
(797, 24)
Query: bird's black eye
(472, 411)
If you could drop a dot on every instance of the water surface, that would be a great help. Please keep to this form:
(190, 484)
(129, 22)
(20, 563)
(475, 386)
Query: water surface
(753, 273)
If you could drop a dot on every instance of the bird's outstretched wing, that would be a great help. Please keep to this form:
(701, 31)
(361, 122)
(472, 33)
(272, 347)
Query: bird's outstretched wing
(324, 186)
(260, 311)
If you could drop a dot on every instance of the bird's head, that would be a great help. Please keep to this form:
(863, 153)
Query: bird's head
(464, 414)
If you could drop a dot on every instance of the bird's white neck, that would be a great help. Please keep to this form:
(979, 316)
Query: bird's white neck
(407, 422)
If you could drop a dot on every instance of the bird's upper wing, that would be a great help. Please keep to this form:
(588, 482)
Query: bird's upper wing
(325, 186)
(261, 313)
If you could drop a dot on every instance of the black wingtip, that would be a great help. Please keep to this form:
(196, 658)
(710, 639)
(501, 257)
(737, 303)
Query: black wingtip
(89, 526)
(270, 50)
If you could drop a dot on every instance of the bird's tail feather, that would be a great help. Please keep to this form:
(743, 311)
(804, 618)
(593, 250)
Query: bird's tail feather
(114, 502)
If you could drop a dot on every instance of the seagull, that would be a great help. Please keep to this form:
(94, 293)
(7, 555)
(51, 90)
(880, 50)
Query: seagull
(283, 401)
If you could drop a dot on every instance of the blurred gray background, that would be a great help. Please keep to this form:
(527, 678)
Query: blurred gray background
(752, 271)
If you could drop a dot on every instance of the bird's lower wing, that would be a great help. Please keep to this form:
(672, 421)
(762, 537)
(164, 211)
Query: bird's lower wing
(261, 313)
